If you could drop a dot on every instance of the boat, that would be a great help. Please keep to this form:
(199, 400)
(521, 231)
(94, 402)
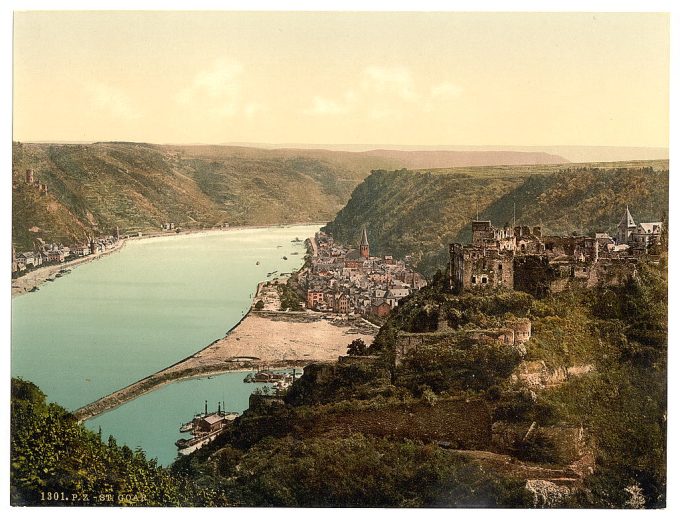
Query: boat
(34, 289)
(285, 258)
(186, 427)
(204, 427)
(257, 263)
(58, 275)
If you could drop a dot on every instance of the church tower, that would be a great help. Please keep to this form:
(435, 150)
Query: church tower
(363, 247)
(626, 227)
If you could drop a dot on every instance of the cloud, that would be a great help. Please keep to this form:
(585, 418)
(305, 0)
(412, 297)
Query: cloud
(384, 113)
(252, 109)
(385, 92)
(112, 100)
(396, 80)
(220, 85)
(446, 90)
(323, 106)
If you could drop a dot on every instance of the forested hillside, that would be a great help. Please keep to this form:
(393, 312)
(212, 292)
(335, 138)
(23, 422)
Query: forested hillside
(421, 212)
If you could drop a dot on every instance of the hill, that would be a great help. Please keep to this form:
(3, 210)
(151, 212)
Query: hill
(94, 188)
(420, 212)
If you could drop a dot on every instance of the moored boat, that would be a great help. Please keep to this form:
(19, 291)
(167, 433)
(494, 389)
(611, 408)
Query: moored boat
(204, 428)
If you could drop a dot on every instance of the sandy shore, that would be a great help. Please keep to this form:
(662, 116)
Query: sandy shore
(268, 338)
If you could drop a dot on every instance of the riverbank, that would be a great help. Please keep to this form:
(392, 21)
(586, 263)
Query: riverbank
(269, 338)
(37, 277)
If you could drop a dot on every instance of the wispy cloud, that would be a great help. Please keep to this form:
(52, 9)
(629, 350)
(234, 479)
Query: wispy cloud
(252, 109)
(106, 98)
(385, 92)
(220, 85)
(396, 80)
(446, 90)
(325, 106)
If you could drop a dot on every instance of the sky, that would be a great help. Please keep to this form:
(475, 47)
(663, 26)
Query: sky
(522, 79)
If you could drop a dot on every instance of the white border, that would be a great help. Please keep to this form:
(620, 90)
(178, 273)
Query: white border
(324, 5)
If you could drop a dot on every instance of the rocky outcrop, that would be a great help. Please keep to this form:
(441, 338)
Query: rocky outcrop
(537, 375)
(547, 494)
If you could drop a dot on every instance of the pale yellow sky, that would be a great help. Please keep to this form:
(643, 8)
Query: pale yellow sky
(397, 78)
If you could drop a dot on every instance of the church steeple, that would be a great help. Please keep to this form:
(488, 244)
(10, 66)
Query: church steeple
(363, 246)
(626, 227)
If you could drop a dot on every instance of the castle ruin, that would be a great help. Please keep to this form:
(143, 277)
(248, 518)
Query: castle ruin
(521, 258)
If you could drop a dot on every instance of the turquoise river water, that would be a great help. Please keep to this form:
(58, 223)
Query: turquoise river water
(115, 320)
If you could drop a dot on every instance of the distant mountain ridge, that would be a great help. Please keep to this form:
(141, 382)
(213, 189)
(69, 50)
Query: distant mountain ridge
(572, 153)
(449, 159)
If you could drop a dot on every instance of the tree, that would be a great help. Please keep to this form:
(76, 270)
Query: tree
(357, 348)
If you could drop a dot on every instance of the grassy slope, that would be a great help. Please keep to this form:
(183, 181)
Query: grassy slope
(421, 212)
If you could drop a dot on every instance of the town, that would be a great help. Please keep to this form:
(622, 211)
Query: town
(48, 253)
(350, 281)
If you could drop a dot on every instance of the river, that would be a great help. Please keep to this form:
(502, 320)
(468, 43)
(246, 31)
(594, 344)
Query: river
(122, 317)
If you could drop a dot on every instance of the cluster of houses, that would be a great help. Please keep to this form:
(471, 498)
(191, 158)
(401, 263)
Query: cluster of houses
(521, 258)
(59, 253)
(351, 281)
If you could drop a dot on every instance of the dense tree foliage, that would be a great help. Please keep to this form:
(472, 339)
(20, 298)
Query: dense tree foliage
(289, 299)
(137, 186)
(366, 472)
(56, 461)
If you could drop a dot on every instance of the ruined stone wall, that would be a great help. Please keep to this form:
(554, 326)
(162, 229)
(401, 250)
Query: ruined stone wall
(521, 328)
(508, 272)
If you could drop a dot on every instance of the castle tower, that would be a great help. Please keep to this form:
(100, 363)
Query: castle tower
(29, 176)
(363, 247)
(626, 227)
